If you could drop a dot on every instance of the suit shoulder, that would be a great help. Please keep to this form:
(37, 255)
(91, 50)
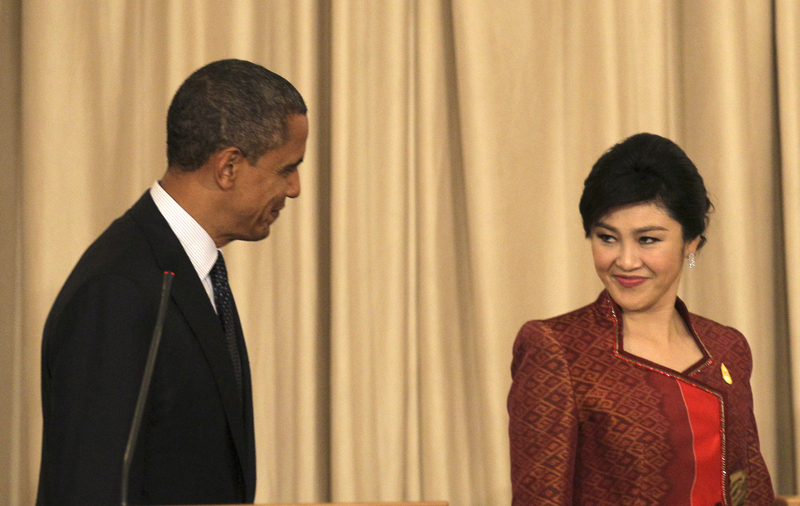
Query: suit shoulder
(125, 245)
(121, 252)
(120, 245)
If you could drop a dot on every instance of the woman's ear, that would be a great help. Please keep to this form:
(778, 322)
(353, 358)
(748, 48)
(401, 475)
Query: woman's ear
(692, 246)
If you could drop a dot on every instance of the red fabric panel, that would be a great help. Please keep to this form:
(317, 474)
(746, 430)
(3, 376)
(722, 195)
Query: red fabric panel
(704, 417)
(681, 468)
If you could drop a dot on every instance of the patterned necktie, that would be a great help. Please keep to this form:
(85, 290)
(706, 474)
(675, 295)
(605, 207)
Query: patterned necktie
(223, 299)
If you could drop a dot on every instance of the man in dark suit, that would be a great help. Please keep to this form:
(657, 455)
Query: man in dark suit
(236, 134)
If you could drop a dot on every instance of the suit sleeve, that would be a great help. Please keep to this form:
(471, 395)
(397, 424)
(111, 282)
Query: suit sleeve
(543, 420)
(92, 363)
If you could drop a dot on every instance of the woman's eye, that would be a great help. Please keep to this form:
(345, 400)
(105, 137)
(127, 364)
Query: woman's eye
(606, 237)
(648, 240)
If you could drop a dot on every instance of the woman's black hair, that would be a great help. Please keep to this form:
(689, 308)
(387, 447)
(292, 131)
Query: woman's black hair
(647, 168)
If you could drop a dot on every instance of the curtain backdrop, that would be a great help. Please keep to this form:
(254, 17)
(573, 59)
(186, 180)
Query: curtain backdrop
(439, 208)
(787, 252)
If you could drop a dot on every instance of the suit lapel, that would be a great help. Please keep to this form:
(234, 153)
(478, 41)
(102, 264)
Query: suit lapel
(190, 296)
(247, 391)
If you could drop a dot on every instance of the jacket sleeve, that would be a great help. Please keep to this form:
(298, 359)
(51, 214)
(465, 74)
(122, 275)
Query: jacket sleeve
(543, 420)
(92, 363)
(759, 484)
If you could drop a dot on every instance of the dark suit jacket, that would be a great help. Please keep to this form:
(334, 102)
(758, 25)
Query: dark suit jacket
(197, 440)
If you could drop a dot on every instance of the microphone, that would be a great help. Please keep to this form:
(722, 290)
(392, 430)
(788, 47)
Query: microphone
(166, 286)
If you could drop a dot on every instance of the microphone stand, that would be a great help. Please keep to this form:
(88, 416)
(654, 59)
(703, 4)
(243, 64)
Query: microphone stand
(166, 286)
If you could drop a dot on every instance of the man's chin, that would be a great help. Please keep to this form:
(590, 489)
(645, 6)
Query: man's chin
(256, 235)
(261, 235)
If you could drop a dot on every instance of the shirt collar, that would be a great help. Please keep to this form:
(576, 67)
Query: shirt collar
(199, 246)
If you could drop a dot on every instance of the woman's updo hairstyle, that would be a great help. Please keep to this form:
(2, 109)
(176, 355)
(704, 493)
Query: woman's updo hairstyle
(647, 168)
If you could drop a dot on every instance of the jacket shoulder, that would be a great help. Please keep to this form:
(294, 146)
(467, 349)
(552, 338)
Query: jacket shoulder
(579, 324)
(709, 327)
(570, 335)
(725, 344)
(121, 254)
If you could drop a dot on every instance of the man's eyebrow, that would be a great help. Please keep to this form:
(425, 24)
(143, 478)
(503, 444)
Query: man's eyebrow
(292, 166)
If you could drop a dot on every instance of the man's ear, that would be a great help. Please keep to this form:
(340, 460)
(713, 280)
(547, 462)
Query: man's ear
(226, 165)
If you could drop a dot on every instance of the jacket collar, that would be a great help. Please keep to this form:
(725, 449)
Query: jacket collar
(608, 310)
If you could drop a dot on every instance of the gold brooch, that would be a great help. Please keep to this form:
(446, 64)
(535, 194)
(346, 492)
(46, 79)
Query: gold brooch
(726, 375)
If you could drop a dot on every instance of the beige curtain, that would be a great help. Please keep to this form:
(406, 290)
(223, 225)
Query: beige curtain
(14, 480)
(787, 16)
(438, 212)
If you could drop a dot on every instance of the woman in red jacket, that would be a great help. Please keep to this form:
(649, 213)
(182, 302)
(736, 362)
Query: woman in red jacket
(633, 400)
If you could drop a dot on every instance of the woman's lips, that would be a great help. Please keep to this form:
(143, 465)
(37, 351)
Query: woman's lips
(630, 281)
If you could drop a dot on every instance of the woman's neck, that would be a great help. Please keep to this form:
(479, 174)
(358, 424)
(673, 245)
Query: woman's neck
(663, 325)
(662, 337)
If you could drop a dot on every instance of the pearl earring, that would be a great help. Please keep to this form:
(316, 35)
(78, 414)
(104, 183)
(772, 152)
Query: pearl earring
(691, 260)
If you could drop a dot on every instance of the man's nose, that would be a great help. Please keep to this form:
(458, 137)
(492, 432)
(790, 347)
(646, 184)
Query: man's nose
(293, 188)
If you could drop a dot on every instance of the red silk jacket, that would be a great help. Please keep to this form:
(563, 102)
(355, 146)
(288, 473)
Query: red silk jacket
(592, 424)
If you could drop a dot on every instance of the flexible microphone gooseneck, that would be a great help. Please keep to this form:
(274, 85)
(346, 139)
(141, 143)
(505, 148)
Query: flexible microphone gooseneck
(166, 286)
